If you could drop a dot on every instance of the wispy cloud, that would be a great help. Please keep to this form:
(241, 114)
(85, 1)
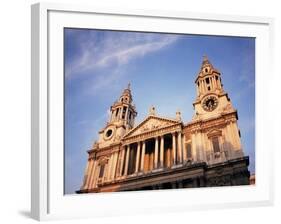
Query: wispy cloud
(112, 50)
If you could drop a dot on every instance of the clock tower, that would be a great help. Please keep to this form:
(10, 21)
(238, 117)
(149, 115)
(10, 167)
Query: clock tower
(211, 99)
(213, 131)
(121, 120)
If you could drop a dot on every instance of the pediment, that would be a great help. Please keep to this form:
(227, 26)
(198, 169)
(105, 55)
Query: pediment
(214, 133)
(151, 123)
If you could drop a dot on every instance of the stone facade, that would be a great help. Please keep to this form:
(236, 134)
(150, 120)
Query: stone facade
(165, 153)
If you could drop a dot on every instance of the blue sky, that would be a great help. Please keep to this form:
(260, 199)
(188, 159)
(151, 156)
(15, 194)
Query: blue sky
(161, 69)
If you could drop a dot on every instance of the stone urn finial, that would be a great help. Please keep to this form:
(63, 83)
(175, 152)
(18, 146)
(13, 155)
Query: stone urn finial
(178, 115)
(152, 111)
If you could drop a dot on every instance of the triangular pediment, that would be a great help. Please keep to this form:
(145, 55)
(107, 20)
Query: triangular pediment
(151, 123)
(214, 132)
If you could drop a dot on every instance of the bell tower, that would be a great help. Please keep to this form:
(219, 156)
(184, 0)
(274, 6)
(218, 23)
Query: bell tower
(211, 99)
(121, 120)
(123, 111)
(216, 136)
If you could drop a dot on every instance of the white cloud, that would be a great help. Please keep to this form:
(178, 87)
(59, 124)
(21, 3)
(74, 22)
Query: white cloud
(114, 50)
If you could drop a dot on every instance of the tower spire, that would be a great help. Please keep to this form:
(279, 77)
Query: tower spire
(123, 110)
(205, 58)
(206, 63)
(208, 79)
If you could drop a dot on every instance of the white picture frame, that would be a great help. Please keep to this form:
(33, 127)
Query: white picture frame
(48, 201)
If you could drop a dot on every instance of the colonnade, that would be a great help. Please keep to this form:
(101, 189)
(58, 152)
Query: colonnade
(214, 83)
(140, 149)
(138, 158)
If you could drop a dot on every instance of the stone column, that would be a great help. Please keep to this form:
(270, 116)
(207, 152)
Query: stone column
(202, 148)
(138, 158)
(122, 161)
(108, 168)
(174, 148)
(204, 86)
(230, 137)
(127, 160)
(198, 146)
(235, 134)
(156, 153)
(115, 114)
(117, 171)
(91, 163)
(162, 152)
(114, 165)
(120, 113)
(214, 82)
(184, 149)
(142, 155)
(179, 147)
(126, 114)
(93, 176)
(193, 146)
(219, 83)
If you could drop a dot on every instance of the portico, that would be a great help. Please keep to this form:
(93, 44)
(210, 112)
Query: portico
(152, 151)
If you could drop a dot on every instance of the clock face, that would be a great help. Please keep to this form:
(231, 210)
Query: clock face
(210, 103)
(109, 132)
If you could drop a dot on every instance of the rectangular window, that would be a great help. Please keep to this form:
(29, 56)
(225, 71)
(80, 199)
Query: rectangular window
(216, 145)
(207, 80)
(188, 151)
(101, 171)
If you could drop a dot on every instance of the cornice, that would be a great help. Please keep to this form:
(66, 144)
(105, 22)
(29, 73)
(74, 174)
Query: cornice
(153, 133)
(222, 119)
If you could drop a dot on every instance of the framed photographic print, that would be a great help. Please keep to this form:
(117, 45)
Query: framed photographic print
(148, 111)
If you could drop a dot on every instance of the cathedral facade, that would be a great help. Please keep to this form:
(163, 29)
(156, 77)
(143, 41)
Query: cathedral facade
(165, 153)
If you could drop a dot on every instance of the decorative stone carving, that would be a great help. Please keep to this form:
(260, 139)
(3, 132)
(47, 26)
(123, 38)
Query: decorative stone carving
(151, 123)
(121, 141)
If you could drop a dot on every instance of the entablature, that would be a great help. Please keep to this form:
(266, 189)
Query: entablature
(153, 133)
